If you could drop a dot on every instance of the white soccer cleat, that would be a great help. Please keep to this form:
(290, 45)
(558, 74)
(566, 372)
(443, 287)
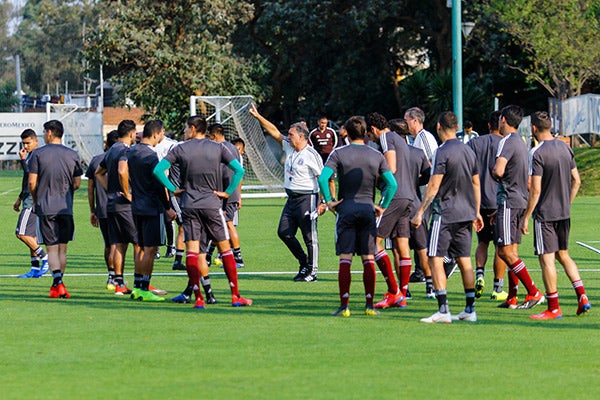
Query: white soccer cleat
(465, 316)
(438, 318)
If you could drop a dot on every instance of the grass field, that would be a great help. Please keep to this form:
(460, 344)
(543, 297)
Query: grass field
(286, 346)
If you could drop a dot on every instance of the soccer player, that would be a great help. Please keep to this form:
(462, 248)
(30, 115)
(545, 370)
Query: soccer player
(149, 203)
(302, 168)
(231, 205)
(97, 200)
(554, 182)
(485, 148)
(27, 222)
(200, 162)
(419, 172)
(395, 222)
(511, 171)
(113, 175)
(358, 167)
(453, 193)
(54, 174)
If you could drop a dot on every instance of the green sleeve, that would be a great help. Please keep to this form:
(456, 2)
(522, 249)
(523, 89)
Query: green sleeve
(238, 174)
(159, 172)
(389, 190)
(323, 180)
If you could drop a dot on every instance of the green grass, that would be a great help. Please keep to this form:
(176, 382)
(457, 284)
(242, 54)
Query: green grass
(588, 160)
(286, 346)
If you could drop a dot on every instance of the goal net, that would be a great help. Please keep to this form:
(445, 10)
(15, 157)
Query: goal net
(83, 129)
(264, 170)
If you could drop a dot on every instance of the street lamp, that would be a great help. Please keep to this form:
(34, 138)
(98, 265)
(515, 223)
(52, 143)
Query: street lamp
(457, 27)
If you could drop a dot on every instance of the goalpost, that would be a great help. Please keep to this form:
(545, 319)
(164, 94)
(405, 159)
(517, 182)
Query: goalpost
(83, 129)
(264, 171)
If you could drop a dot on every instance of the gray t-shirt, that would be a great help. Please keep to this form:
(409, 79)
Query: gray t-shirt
(512, 188)
(357, 168)
(25, 196)
(100, 196)
(148, 194)
(56, 166)
(200, 171)
(420, 171)
(485, 148)
(455, 200)
(228, 172)
(116, 201)
(553, 160)
(391, 141)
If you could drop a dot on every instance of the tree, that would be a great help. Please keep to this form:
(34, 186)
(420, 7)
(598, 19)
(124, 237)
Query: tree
(50, 41)
(160, 53)
(561, 41)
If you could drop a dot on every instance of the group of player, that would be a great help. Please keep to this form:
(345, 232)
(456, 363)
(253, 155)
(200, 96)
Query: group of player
(484, 182)
(136, 189)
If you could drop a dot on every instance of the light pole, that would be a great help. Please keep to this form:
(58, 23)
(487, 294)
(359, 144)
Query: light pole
(457, 96)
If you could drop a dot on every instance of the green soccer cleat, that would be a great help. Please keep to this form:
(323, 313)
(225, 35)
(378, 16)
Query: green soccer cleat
(147, 295)
(499, 296)
(479, 285)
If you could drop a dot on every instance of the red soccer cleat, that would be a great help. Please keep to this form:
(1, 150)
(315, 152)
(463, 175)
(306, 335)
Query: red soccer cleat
(584, 305)
(54, 292)
(62, 291)
(199, 304)
(156, 291)
(239, 301)
(121, 290)
(554, 314)
(511, 302)
(390, 300)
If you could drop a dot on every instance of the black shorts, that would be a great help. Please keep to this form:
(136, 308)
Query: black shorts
(103, 225)
(27, 223)
(150, 230)
(551, 236)
(418, 237)
(356, 231)
(56, 229)
(231, 212)
(507, 230)
(486, 234)
(204, 225)
(395, 221)
(450, 240)
(121, 228)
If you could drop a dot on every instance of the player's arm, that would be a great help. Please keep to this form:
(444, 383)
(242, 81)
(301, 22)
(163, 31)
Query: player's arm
(76, 182)
(33, 178)
(266, 124)
(432, 190)
(575, 183)
(389, 189)
(499, 168)
(390, 157)
(238, 175)
(102, 177)
(535, 189)
(123, 171)
(92, 202)
(160, 172)
(478, 223)
(323, 181)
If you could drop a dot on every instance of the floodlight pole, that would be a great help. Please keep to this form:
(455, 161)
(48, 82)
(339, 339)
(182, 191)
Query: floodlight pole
(457, 95)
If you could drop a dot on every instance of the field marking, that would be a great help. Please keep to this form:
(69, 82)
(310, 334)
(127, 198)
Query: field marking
(9, 191)
(587, 246)
(240, 273)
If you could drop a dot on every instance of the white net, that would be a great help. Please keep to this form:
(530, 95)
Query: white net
(264, 171)
(83, 129)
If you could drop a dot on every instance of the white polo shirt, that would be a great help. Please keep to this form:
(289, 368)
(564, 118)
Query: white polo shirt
(302, 168)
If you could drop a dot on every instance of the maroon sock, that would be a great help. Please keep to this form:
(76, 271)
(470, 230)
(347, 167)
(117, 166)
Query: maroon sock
(193, 271)
(230, 271)
(369, 281)
(520, 270)
(552, 299)
(344, 279)
(405, 267)
(579, 289)
(385, 266)
(513, 284)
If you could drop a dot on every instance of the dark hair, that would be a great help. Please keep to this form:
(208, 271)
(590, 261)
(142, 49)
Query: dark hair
(399, 125)
(467, 124)
(125, 127)
(238, 140)
(356, 127)
(216, 129)
(448, 121)
(377, 120)
(513, 115)
(416, 112)
(111, 138)
(56, 127)
(152, 127)
(198, 122)
(494, 120)
(541, 120)
(28, 133)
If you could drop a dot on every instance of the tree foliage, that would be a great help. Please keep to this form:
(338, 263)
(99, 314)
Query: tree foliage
(160, 53)
(561, 41)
